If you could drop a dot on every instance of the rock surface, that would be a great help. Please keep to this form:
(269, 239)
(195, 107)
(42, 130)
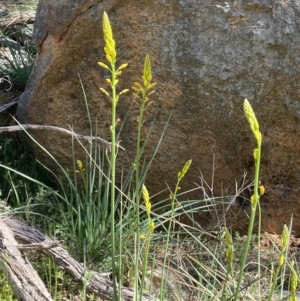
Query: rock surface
(207, 56)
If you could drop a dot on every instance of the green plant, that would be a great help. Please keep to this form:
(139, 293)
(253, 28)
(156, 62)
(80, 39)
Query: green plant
(141, 93)
(111, 55)
(258, 190)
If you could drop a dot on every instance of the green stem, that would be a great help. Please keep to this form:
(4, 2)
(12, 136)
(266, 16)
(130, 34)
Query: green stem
(251, 223)
(145, 261)
(137, 198)
(258, 246)
(113, 176)
(274, 280)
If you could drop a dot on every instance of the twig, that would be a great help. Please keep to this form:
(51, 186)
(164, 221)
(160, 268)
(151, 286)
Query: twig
(22, 127)
(11, 103)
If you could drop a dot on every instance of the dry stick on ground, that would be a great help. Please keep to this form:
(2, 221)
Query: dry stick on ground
(35, 240)
(25, 281)
(22, 127)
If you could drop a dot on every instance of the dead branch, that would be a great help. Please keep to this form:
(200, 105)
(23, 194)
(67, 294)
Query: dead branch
(22, 127)
(35, 240)
(25, 281)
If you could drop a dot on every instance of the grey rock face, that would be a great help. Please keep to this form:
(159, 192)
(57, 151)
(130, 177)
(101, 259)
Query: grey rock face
(207, 57)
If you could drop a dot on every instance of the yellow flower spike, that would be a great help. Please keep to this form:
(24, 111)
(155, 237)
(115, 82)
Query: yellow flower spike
(142, 236)
(110, 45)
(251, 116)
(284, 238)
(184, 170)
(255, 154)
(147, 76)
(252, 199)
(262, 190)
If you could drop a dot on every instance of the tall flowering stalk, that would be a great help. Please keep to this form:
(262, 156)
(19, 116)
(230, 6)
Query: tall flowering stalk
(173, 198)
(141, 91)
(258, 190)
(111, 57)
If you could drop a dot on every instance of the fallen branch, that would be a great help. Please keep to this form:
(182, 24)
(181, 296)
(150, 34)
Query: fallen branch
(26, 283)
(22, 127)
(35, 240)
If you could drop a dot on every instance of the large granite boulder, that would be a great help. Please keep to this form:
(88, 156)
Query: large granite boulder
(207, 56)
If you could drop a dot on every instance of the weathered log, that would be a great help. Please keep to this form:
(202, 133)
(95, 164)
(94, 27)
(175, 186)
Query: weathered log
(25, 281)
(35, 240)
